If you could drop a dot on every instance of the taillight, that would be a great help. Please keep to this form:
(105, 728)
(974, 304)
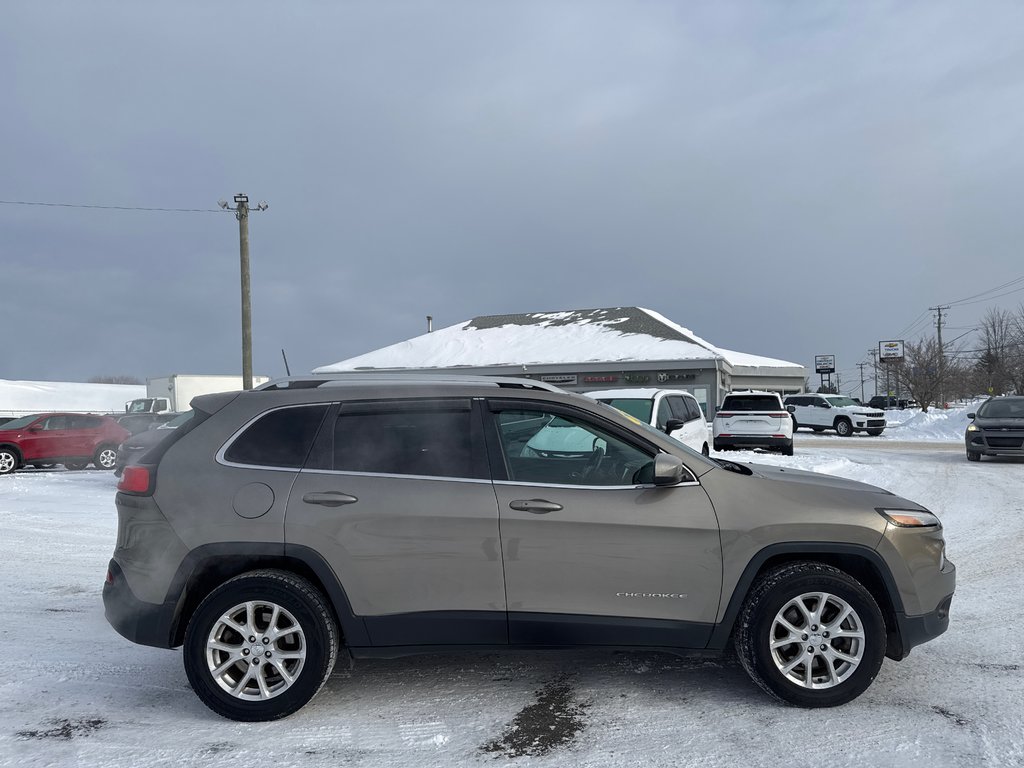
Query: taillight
(724, 415)
(134, 480)
(779, 415)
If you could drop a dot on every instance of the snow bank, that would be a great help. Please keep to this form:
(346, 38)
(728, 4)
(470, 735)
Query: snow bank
(19, 398)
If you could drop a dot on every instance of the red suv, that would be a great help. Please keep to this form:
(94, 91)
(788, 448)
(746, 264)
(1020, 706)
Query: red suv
(71, 439)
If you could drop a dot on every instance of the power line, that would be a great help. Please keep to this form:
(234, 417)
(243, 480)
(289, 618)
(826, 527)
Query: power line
(1007, 284)
(112, 207)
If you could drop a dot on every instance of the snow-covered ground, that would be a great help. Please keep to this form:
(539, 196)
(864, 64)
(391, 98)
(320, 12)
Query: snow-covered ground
(74, 693)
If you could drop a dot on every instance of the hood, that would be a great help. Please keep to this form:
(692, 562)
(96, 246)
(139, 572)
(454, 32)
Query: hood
(787, 475)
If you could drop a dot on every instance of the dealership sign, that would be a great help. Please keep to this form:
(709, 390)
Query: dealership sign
(890, 350)
(824, 363)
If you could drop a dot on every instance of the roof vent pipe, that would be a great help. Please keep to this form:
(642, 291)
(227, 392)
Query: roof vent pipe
(430, 323)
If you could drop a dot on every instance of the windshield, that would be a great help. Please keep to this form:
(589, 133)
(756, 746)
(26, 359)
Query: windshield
(842, 402)
(24, 421)
(141, 406)
(999, 408)
(751, 403)
(688, 451)
(178, 420)
(638, 408)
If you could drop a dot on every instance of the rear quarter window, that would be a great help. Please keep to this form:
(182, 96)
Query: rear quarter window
(281, 438)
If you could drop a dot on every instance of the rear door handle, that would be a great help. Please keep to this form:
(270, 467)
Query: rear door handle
(537, 506)
(329, 499)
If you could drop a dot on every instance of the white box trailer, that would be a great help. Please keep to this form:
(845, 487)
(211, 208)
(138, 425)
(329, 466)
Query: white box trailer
(172, 394)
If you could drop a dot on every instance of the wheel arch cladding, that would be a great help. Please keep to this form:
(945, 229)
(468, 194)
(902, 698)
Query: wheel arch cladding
(863, 564)
(208, 567)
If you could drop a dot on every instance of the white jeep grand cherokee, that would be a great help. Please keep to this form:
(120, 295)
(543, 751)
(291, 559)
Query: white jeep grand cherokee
(843, 414)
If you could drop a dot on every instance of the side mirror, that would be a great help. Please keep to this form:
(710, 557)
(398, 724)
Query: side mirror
(35, 428)
(668, 469)
(972, 415)
(791, 408)
(673, 424)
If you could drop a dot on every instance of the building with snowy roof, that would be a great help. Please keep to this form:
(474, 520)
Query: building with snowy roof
(585, 349)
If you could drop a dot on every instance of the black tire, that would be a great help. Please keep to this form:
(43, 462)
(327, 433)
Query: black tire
(105, 457)
(973, 456)
(9, 460)
(786, 450)
(844, 427)
(704, 450)
(302, 606)
(818, 429)
(774, 594)
(796, 425)
(875, 432)
(75, 465)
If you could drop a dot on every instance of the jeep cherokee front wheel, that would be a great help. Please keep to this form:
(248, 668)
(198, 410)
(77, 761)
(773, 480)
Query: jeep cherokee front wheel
(811, 635)
(260, 646)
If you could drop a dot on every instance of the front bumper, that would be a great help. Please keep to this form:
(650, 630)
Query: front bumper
(915, 630)
(141, 622)
(978, 442)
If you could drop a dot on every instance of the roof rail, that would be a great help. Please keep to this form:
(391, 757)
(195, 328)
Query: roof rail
(316, 380)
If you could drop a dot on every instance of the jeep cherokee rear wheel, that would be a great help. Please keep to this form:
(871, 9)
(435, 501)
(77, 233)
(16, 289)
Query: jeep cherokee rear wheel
(811, 635)
(260, 646)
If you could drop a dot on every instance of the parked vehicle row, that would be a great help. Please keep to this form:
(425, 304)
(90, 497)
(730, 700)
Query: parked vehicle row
(370, 516)
(72, 439)
(834, 412)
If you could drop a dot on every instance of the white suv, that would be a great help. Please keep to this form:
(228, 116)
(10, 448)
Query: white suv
(673, 411)
(753, 419)
(843, 414)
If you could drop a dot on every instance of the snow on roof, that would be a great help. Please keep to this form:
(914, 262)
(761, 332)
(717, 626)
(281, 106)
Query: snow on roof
(25, 397)
(611, 335)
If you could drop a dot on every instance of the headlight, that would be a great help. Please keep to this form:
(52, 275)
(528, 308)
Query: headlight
(909, 518)
(973, 428)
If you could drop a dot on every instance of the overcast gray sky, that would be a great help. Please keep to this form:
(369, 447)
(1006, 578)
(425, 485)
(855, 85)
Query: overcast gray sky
(784, 179)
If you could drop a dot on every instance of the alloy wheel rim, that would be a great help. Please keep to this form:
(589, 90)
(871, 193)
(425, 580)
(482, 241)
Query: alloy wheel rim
(6, 462)
(817, 640)
(107, 458)
(256, 650)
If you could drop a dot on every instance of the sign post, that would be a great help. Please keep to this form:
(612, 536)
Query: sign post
(826, 366)
(891, 353)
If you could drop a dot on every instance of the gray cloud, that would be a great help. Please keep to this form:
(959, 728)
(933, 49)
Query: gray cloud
(785, 180)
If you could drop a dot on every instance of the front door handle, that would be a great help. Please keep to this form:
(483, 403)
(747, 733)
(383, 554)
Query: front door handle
(329, 499)
(537, 506)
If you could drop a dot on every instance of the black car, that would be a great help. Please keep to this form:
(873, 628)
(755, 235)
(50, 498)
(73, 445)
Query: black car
(997, 429)
(881, 401)
(138, 444)
(140, 422)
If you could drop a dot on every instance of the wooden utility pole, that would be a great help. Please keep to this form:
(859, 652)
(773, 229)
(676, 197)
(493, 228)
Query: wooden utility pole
(241, 210)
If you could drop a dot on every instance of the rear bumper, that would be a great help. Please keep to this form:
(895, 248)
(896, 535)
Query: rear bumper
(134, 619)
(752, 441)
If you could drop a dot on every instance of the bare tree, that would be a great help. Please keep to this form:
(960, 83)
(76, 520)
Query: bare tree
(998, 347)
(120, 379)
(924, 372)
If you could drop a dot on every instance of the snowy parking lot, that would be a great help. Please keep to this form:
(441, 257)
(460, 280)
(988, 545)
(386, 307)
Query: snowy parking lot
(75, 693)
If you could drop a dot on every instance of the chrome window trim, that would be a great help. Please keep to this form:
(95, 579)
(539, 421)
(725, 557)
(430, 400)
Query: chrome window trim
(350, 473)
(633, 487)
(220, 457)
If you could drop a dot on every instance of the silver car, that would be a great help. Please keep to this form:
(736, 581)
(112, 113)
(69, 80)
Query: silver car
(373, 515)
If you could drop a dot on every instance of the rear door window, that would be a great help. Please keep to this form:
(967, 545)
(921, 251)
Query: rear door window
(432, 440)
